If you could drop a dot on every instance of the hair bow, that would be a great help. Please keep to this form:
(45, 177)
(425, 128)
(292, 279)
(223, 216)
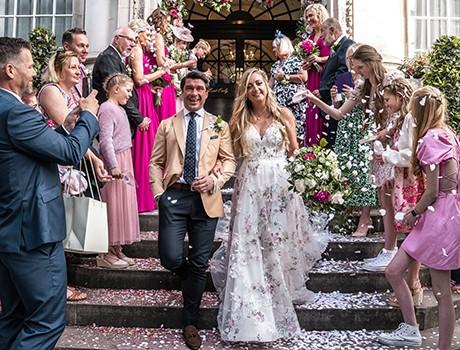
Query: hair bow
(278, 34)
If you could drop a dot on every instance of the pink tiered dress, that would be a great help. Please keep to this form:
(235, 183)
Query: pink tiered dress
(435, 239)
(144, 140)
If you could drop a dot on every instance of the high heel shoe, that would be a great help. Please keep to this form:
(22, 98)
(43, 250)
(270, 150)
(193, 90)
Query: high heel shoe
(417, 296)
(362, 230)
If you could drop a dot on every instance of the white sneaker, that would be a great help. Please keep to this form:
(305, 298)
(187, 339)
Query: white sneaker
(405, 335)
(381, 261)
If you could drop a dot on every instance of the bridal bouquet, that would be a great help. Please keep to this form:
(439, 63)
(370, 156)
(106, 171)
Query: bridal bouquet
(315, 174)
(306, 48)
(158, 84)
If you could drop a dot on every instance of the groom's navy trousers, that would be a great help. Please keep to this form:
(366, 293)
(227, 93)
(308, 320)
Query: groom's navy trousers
(181, 211)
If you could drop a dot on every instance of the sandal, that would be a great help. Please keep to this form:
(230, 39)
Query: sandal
(417, 296)
(75, 295)
(455, 287)
(361, 230)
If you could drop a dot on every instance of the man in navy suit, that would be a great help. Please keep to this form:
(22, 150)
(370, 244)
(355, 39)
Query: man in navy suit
(331, 32)
(32, 220)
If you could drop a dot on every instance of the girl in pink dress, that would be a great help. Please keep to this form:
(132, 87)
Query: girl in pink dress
(142, 61)
(120, 194)
(405, 189)
(314, 16)
(435, 239)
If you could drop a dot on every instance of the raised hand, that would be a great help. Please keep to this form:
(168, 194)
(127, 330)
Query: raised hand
(90, 103)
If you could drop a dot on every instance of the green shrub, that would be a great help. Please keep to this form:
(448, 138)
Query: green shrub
(43, 44)
(444, 73)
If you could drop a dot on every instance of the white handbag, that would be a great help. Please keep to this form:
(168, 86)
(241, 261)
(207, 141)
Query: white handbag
(86, 223)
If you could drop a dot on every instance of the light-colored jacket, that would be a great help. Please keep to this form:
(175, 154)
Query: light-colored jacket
(167, 161)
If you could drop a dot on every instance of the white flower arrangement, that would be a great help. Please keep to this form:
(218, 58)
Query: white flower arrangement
(316, 175)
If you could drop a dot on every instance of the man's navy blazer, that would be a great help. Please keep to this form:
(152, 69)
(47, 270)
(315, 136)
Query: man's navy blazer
(31, 204)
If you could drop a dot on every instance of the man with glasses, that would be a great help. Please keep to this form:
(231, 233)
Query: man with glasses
(111, 60)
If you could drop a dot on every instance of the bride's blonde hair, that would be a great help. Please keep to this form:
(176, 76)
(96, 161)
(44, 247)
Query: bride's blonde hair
(243, 110)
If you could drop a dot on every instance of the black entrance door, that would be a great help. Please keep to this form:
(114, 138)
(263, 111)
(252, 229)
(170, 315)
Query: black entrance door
(239, 39)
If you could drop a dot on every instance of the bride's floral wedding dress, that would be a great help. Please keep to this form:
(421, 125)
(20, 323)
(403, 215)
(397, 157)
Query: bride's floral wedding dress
(271, 247)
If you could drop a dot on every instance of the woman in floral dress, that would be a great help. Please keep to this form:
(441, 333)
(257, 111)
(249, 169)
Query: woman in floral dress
(271, 246)
(353, 156)
(287, 78)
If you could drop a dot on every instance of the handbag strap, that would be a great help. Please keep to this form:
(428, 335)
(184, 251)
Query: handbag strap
(95, 179)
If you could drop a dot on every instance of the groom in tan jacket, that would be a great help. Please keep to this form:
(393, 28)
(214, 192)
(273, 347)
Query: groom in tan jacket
(187, 148)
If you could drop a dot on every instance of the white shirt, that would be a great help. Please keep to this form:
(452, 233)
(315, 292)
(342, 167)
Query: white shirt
(12, 93)
(403, 155)
(199, 118)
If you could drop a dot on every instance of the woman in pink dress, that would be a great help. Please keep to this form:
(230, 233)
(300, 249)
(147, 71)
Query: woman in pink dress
(167, 105)
(314, 16)
(435, 239)
(142, 61)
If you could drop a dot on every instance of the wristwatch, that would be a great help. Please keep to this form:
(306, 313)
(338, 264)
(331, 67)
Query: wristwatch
(414, 213)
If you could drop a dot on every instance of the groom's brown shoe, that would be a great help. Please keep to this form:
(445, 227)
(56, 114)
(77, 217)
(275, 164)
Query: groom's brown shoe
(192, 337)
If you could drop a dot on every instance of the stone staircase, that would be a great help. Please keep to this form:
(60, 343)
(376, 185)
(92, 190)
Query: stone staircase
(145, 299)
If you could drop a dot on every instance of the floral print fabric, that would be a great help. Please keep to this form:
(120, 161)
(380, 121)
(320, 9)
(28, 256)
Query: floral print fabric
(271, 247)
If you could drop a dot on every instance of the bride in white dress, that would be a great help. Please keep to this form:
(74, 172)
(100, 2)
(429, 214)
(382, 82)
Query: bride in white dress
(271, 246)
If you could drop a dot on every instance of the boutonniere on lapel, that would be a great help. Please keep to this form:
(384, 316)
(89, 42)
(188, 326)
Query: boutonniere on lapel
(216, 123)
(88, 73)
(335, 47)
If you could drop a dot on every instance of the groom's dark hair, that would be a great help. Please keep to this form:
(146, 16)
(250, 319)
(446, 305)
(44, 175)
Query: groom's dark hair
(195, 74)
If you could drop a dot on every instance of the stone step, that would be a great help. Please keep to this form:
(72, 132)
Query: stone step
(109, 338)
(326, 276)
(162, 309)
(149, 221)
(341, 247)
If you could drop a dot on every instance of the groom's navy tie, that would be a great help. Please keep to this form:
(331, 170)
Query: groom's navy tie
(190, 150)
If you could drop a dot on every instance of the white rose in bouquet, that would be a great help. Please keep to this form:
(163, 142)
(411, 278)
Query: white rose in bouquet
(299, 167)
(299, 185)
(336, 173)
(325, 175)
(310, 183)
(337, 198)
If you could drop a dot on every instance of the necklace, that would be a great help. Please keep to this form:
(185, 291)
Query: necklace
(260, 115)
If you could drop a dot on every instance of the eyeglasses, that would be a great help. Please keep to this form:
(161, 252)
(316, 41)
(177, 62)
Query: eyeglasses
(127, 37)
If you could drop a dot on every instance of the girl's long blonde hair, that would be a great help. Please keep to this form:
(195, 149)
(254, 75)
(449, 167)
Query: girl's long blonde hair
(428, 108)
(402, 88)
(243, 111)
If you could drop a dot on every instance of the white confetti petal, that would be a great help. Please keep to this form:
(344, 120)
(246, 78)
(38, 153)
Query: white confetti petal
(430, 208)
(399, 216)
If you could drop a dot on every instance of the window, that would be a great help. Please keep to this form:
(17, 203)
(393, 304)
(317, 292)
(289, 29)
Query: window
(19, 17)
(430, 19)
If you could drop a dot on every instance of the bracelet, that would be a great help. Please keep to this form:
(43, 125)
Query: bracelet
(414, 213)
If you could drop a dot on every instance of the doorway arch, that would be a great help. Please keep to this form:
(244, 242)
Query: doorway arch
(240, 38)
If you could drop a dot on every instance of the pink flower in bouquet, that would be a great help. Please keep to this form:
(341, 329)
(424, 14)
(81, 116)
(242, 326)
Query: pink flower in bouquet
(322, 196)
(166, 77)
(309, 156)
(173, 12)
(308, 46)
